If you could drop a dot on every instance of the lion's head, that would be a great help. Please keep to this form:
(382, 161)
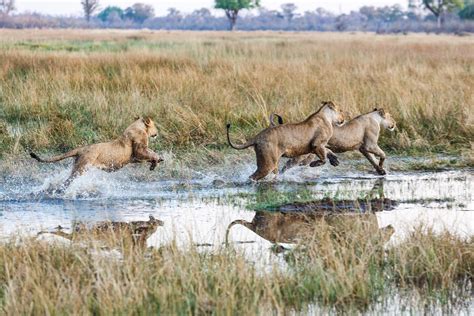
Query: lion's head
(150, 127)
(141, 125)
(146, 228)
(332, 112)
(387, 120)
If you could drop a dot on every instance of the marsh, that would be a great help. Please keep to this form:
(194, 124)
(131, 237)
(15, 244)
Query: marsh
(63, 89)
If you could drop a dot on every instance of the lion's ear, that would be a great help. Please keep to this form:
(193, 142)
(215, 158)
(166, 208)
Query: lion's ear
(147, 121)
(280, 120)
(331, 104)
(375, 109)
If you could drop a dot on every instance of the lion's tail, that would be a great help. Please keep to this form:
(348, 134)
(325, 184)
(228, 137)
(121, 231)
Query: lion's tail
(58, 232)
(272, 119)
(243, 146)
(69, 154)
(236, 222)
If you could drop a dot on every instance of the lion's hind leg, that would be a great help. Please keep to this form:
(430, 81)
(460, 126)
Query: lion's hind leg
(79, 168)
(260, 173)
(266, 163)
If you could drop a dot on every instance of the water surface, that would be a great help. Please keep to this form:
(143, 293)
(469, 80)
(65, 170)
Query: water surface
(199, 208)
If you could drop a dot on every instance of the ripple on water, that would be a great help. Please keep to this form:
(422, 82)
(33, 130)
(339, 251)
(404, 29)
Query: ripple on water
(31, 204)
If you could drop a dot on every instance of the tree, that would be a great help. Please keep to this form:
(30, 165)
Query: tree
(89, 7)
(370, 12)
(110, 13)
(439, 7)
(232, 8)
(203, 12)
(288, 10)
(468, 12)
(139, 12)
(7, 6)
(385, 14)
(174, 14)
(341, 22)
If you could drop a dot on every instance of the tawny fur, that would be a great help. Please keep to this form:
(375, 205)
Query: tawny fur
(292, 140)
(131, 146)
(136, 232)
(278, 227)
(361, 133)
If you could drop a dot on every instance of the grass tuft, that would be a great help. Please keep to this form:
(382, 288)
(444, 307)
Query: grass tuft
(341, 265)
(62, 89)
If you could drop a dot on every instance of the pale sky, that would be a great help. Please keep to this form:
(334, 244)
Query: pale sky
(73, 7)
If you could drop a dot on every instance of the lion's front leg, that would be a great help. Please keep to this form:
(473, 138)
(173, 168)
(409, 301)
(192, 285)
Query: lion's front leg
(320, 151)
(367, 155)
(142, 153)
(379, 153)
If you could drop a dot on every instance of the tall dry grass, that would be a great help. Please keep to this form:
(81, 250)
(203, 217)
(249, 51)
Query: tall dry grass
(328, 270)
(61, 89)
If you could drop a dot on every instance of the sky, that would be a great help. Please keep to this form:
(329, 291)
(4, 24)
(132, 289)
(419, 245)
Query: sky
(73, 7)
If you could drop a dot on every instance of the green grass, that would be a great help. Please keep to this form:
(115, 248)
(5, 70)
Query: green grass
(268, 198)
(91, 46)
(339, 269)
(61, 89)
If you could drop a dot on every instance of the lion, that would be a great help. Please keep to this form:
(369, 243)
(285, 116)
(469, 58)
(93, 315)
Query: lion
(292, 140)
(131, 146)
(361, 133)
(280, 227)
(136, 232)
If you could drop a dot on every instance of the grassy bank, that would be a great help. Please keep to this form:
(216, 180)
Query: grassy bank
(60, 89)
(348, 270)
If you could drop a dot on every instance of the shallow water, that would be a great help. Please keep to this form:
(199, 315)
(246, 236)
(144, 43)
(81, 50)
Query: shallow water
(199, 208)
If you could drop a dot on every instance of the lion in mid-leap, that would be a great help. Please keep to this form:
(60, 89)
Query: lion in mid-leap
(131, 146)
(292, 140)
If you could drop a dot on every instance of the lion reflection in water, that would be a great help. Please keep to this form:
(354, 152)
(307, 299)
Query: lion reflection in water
(133, 234)
(279, 227)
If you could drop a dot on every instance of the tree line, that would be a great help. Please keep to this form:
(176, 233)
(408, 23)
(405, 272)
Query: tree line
(421, 15)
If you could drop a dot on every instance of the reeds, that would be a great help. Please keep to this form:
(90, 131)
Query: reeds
(61, 89)
(337, 268)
